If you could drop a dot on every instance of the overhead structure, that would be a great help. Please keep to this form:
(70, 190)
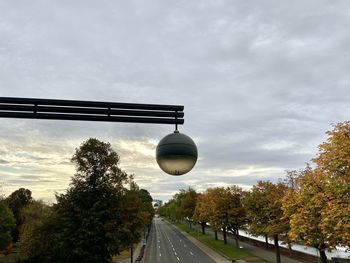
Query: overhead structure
(176, 153)
(29, 108)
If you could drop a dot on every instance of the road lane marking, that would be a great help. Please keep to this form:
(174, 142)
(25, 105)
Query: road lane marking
(178, 259)
(160, 254)
(191, 253)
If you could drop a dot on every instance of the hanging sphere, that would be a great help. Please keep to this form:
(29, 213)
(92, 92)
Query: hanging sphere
(176, 154)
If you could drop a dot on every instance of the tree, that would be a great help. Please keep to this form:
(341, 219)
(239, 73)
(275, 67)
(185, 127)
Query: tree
(201, 212)
(304, 208)
(222, 208)
(89, 222)
(333, 164)
(236, 211)
(319, 206)
(186, 203)
(264, 208)
(36, 233)
(17, 201)
(7, 223)
(207, 210)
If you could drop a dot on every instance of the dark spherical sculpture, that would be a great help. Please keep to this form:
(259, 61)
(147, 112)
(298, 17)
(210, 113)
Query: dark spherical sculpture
(176, 153)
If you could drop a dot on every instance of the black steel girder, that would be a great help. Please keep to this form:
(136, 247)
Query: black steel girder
(30, 108)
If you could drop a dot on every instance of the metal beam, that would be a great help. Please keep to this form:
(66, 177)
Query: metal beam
(90, 111)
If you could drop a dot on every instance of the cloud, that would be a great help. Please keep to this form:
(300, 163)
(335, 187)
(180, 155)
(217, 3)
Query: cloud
(261, 82)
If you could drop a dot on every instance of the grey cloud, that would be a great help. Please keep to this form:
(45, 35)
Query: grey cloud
(261, 80)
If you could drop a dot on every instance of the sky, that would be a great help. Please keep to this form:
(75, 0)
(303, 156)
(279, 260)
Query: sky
(261, 82)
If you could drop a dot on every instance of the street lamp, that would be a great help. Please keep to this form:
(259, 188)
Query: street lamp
(176, 153)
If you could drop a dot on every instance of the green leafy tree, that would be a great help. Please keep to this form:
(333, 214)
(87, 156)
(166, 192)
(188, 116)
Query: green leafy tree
(7, 223)
(92, 212)
(36, 233)
(139, 210)
(186, 203)
(90, 222)
(17, 201)
(264, 209)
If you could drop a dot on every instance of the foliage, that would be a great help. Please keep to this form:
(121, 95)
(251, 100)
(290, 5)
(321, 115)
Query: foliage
(35, 231)
(222, 208)
(319, 205)
(138, 212)
(186, 203)
(181, 206)
(264, 209)
(16, 201)
(7, 223)
(333, 168)
(95, 219)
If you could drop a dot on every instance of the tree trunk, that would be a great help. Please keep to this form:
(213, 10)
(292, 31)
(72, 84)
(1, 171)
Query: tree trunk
(203, 227)
(266, 241)
(131, 254)
(190, 225)
(278, 255)
(237, 237)
(224, 234)
(216, 234)
(323, 256)
(290, 248)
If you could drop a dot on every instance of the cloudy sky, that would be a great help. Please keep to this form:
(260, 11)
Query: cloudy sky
(261, 82)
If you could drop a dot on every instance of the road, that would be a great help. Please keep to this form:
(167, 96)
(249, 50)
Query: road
(167, 245)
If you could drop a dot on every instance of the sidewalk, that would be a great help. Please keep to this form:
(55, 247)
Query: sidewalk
(259, 252)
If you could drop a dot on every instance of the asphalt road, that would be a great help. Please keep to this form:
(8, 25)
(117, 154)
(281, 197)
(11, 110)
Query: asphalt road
(167, 245)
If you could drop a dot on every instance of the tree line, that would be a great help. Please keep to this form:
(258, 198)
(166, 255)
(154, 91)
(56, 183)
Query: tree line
(310, 206)
(102, 213)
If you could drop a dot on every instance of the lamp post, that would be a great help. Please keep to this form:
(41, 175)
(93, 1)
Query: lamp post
(176, 153)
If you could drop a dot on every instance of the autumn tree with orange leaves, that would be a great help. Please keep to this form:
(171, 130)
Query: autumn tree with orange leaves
(223, 209)
(319, 205)
(264, 210)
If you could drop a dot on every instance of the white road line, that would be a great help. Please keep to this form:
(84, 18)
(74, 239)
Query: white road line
(175, 253)
(191, 253)
(160, 254)
(178, 259)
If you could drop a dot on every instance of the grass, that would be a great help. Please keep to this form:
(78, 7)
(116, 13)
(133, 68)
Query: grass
(12, 258)
(228, 251)
(125, 254)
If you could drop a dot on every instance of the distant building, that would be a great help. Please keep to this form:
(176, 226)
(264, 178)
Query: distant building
(157, 203)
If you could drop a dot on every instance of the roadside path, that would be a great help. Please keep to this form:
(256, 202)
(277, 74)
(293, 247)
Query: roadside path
(259, 252)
